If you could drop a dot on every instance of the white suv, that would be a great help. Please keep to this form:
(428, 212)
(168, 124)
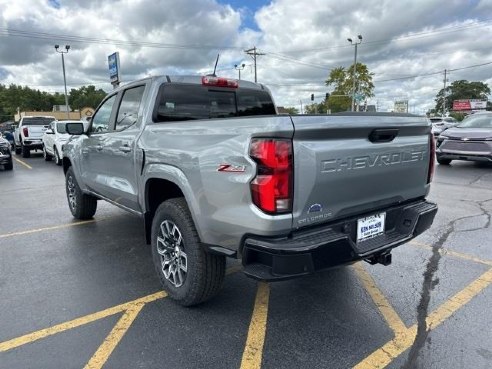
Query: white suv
(54, 138)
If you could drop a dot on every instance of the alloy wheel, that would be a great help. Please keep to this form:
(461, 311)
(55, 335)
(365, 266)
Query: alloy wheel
(170, 247)
(71, 192)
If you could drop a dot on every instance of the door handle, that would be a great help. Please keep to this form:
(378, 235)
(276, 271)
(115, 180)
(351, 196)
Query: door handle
(125, 148)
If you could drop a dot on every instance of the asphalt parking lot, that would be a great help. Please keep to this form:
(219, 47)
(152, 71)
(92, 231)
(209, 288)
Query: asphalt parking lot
(84, 294)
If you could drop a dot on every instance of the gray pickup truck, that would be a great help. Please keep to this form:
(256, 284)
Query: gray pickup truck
(214, 171)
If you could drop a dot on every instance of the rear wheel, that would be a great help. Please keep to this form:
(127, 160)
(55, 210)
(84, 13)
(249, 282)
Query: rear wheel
(187, 273)
(26, 153)
(18, 149)
(46, 156)
(443, 161)
(81, 206)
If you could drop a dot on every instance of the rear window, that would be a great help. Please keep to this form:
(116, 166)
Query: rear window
(190, 102)
(37, 121)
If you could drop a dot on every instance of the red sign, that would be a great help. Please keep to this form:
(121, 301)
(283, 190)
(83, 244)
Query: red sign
(461, 105)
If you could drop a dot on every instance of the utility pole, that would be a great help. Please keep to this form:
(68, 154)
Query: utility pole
(444, 95)
(301, 106)
(67, 47)
(355, 43)
(254, 54)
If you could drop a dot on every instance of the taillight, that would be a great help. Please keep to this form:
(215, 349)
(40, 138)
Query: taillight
(432, 158)
(272, 188)
(219, 82)
(26, 132)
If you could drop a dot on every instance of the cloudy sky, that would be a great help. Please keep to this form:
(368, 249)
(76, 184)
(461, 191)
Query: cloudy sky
(406, 44)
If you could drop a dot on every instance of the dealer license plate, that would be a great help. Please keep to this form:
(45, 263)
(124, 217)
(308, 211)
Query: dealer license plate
(370, 227)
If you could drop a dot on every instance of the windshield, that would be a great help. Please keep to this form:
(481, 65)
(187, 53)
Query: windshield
(477, 121)
(61, 127)
(36, 121)
(189, 102)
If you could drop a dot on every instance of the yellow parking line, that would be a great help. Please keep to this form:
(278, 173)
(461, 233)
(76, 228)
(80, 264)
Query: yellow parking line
(456, 254)
(34, 336)
(104, 351)
(21, 162)
(391, 350)
(253, 350)
(127, 306)
(47, 228)
(384, 306)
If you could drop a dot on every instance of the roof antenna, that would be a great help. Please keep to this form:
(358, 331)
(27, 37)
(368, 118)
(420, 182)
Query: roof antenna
(216, 62)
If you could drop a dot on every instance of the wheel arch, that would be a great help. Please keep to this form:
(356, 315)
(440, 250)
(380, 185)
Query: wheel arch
(161, 182)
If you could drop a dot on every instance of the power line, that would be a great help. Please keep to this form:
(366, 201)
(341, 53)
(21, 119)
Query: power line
(484, 23)
(434, 73)
(93, 40)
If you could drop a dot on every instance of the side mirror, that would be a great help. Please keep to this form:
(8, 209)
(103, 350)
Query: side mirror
(49, 132)
(75, 128)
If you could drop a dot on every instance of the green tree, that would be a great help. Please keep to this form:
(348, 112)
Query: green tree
(85, 96)
(460, 90)
(315, 108)
(292, 110)
(341, 79)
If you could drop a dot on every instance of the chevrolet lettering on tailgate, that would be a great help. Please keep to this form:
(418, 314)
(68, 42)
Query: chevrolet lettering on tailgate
(370, 161)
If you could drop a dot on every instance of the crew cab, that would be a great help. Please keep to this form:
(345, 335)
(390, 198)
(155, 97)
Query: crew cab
(215, 172)
(28, 135)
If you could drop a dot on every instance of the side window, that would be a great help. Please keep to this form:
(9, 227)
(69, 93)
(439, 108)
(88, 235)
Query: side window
(128, 111)
(100, 120)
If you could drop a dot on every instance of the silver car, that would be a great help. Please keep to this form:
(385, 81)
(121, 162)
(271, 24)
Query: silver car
(469, 140)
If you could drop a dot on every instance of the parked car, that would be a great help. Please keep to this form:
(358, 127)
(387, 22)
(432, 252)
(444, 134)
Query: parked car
(469, 140)
(215, 172)
(6, 154)
(440, 124)
(9, 136)
(28, 135)
(54, 138)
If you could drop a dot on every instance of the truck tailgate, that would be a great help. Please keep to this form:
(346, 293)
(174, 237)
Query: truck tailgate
(356, 163)
(36, 131)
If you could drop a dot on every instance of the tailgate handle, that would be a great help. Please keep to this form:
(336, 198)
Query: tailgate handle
(383, 135)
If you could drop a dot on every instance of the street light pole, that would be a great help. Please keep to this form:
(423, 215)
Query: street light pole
(355, 43)
(67, 47)
(239, 68)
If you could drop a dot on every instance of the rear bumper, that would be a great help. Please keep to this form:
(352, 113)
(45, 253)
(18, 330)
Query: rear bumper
(308, 251)
(33, 144)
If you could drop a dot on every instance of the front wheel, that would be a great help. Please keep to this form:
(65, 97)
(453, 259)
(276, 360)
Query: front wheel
(187, 273)
(9, 166)
(58, 160)
(46, 156)
(81, 206)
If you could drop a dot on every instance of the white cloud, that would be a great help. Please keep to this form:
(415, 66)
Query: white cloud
(302, 40)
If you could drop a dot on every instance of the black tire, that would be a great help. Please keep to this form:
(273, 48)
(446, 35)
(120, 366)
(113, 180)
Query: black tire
(204, 271)
(18, 149)
(26, 153)
(9, 166)
(443, 161)
(46, 156)
(58, 160)
(81, 206)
